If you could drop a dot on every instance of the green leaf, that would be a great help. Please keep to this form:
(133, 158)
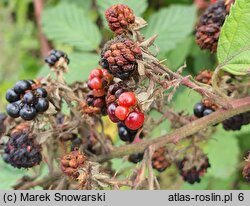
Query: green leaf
(177, 57)
(223, 153)
(69, 24)
(185, 99)
(173, 24)
(9, 175)
(138, 6)
(234, 41)
(79, 68)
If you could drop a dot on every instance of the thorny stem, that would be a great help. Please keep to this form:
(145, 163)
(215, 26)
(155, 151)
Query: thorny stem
(239, 106)
(188, 83)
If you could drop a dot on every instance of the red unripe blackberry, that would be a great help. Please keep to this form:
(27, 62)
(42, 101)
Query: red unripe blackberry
(96, 73)
(119, 18)
(99, 92)
(127, 99)
(95, 83)
(134, 120)
(121, 112)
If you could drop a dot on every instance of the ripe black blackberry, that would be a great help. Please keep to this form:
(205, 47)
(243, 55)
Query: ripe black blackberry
(201, 110)
(192, 172)
(119, 57)
(237, 121)
(135, 158)
(126, 134)
(26, 99)
(22, 151)
(209, 26)
(54, 57)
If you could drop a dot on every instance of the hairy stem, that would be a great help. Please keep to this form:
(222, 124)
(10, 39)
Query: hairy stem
(239, 106)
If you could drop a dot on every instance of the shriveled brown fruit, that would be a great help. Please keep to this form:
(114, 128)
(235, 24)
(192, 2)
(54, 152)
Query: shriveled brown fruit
(205, 77)
(72, 162)
(159, 160)
(119, 17)
(210, 23)
(207, 36)
(119, 56)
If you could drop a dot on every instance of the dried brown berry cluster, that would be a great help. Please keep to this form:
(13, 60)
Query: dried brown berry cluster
(205, 77)
(119, 57)
(209, 26)
(119, 18)
(192, 174)
(21, 150)
(72, 162)
(159, 160)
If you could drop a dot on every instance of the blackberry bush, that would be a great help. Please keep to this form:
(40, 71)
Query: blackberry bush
(139, 94)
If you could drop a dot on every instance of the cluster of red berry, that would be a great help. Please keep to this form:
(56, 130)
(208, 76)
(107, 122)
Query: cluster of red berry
(99, 80)
(125, 110)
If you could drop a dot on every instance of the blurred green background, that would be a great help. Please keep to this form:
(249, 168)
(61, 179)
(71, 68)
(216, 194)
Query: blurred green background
(29, 29)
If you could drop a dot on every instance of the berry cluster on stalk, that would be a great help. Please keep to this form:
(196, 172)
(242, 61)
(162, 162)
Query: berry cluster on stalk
(72, 162)
(26, 99)
(54, 56)
(192, 174)
(119, 18)
(159, 160)
(204, 108)
(237, 121)
(21, 150)
(124, 109)
(210, 23)
(98, 83)
(119, 57)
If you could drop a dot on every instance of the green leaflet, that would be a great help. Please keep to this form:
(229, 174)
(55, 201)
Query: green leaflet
(71, 25)
(234, 43)
(173, 24)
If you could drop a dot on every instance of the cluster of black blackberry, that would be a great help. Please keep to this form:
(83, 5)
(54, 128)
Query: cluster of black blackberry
(54, 56)
(200, 110)
(237, 121)
(21, 151)
(26, 100)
